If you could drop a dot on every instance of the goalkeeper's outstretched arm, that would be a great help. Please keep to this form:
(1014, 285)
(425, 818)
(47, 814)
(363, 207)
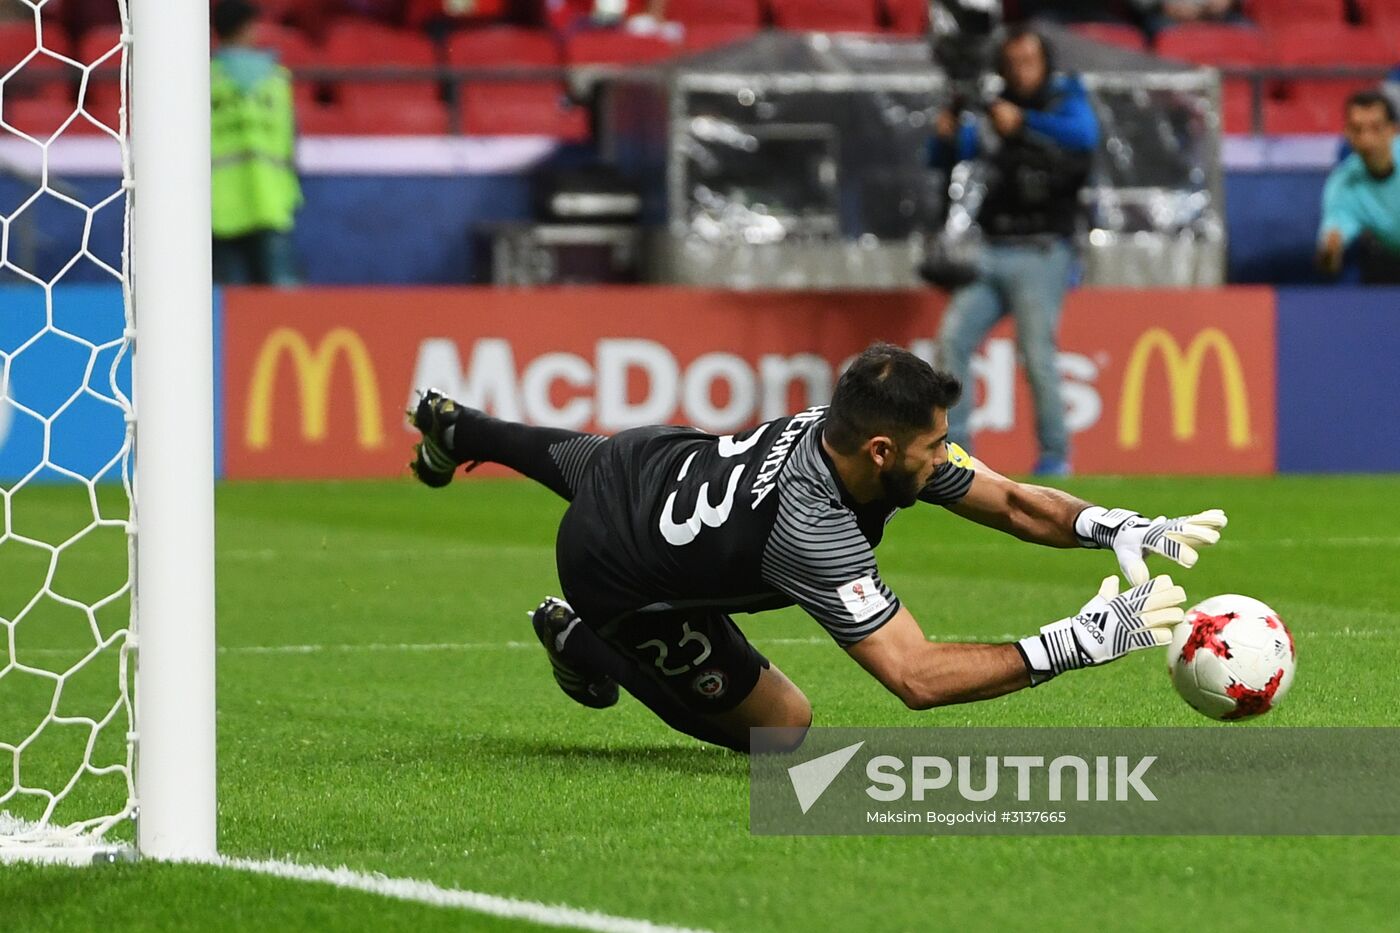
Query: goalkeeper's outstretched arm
(926, 674)
(1038, 514)
(1052, 517)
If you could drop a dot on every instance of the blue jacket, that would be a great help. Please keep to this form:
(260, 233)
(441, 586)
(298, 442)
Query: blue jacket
(1041, 169)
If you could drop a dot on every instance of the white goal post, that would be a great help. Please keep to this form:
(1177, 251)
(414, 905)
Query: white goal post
(174, 365)
(165, 464)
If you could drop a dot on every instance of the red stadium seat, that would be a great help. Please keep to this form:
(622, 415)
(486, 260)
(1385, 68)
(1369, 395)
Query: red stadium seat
(1332, 44)
(825, 15)
(103, 104)
(1380, 12)
(42, 71)
(17, 40)
(1116, 34)
(421, 13)
(39, 117)
(609, 47)
(379, 116)
(1214, 44)
(360, 43)
(705, 36)
(715, 12)
(907, 17)
(97, 42)
(1289, 116)
(316, 119)
(522, 108)
(292, 46)
(1277, 12)
(503, 45)
(1237, 107)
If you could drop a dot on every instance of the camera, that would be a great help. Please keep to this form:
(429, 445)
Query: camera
(963, 37)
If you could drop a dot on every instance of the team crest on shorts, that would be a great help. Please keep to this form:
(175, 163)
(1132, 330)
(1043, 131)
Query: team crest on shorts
(710, 684)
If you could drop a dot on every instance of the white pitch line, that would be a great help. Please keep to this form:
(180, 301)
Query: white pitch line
(425, 892)
(452, 646)
(471, 550)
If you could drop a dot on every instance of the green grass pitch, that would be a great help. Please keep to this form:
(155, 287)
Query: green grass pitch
(425, 738)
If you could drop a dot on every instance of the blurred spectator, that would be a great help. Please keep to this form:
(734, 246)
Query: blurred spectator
(1071, 11)
(255, 187)
(641, 16)
(1047, 133)
(1156, 15)
(442, 16)
(1361, 201)
(13, 10)
(391, 12)
(78, 16)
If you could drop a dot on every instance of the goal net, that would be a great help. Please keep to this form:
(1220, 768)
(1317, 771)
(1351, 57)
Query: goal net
(70, 720)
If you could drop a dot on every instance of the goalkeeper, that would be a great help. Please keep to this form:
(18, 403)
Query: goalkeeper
(670, 531)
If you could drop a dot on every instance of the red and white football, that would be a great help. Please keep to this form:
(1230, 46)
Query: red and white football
(1232, 658)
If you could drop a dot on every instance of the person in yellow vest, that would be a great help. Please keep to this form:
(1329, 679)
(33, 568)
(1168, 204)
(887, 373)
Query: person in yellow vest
(255, 188)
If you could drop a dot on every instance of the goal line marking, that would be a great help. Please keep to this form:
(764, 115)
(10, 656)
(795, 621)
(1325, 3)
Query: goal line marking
(425, 892)
(451, 646)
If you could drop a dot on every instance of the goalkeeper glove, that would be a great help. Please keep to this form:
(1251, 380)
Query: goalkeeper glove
(1108, 627)
(1132, 537)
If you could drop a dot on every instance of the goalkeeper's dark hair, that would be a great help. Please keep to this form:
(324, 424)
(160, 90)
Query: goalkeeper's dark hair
(230, 17)
(886, 391)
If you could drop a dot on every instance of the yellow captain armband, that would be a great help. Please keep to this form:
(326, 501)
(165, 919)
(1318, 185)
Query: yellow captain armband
(959, 457)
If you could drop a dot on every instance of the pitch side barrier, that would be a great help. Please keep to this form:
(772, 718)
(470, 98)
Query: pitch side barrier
(1229, 381)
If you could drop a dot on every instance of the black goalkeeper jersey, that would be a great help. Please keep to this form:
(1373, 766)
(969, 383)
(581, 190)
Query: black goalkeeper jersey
(669, 518)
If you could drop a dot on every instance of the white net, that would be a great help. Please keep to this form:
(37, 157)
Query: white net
(66, 432)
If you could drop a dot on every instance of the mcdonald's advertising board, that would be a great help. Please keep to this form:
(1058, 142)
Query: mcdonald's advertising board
(315, 382)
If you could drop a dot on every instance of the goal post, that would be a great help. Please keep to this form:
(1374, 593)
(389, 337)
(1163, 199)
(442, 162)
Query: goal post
(174, 489)
(107, 441)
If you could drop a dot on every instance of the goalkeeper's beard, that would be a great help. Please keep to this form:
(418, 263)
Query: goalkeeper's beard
(900, 486)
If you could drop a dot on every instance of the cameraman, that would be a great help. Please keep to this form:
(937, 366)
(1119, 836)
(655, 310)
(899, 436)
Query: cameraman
(1047, 133)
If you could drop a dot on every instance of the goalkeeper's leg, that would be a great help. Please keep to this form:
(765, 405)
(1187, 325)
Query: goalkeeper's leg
(454, 435)
(729, 688)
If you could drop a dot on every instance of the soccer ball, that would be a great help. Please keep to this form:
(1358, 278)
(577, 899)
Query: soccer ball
(1232, 658)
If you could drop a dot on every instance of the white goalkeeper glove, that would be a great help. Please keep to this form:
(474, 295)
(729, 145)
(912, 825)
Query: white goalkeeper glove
(1132, 537)
(1108, 627)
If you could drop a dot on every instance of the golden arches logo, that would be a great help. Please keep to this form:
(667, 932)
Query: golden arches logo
(313, 370)
(1183, 370)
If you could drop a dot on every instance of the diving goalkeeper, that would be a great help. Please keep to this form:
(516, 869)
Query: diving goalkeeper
(671, 531)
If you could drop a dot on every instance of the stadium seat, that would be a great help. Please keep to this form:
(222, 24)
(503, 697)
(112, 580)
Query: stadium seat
(1237, 107)
(1297, 116)
(503, 46)
(96, 43)
(315, 119)
(1115, 34)
(1330, 44)
(705, 36)
(17, 40)
(292, 46)
(41, 73)
(39, 117)
(825, 15)
(609, 47)
(1214, 44)
(516, 108)
(1278, 12)
(102, 103)
(364, 44)
(420, 14)
(378, 116)
(715, 13)
(1323, 102)
(907, 17)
